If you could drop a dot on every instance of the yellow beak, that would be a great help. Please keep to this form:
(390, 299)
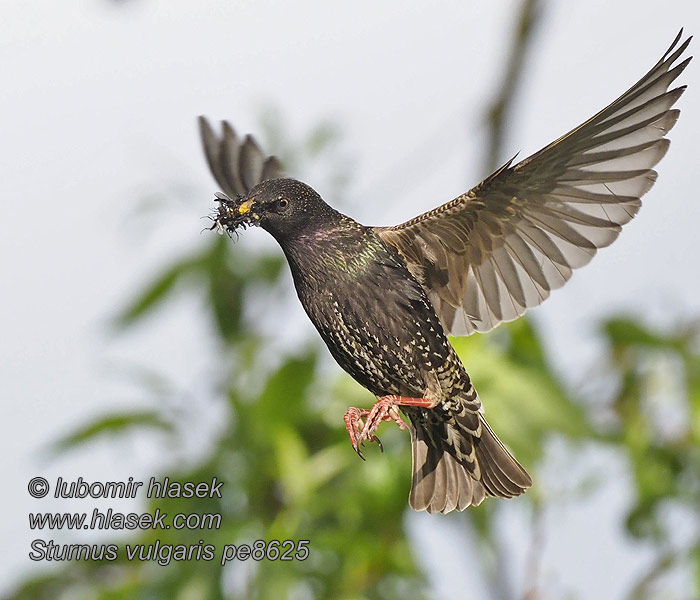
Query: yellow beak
(245, 207)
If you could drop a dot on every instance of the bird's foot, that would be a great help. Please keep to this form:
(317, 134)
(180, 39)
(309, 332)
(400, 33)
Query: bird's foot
(361, 423)
(385, 409)
(355, 426)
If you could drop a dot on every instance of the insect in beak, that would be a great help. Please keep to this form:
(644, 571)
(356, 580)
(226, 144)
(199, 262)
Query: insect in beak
(232, 214)
(245, 207)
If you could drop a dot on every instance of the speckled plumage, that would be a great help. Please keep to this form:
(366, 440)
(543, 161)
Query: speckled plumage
(381, 327)
(385, 298)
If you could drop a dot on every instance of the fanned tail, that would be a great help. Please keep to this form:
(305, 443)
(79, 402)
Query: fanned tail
(456, 466)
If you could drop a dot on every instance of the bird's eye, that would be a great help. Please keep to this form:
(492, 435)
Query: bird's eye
(282, 204)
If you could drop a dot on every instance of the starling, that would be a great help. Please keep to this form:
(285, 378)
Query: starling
(384, 299)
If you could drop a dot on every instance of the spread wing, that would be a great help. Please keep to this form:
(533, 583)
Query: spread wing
(501, 248)
(237, 165)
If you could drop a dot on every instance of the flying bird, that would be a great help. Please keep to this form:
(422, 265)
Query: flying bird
(384, 299)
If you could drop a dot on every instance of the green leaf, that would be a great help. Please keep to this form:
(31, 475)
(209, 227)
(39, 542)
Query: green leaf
(321, 137)
(625, 332)
(112, 424)
(154, 294)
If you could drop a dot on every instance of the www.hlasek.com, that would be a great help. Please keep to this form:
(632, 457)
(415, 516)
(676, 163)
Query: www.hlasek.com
(160, 551)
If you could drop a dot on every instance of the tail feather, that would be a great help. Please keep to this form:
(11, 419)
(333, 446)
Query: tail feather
(507, 476)
(440, 483)
(445, 479)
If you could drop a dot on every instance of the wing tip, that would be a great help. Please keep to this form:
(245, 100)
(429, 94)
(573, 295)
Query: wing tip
(237, 165)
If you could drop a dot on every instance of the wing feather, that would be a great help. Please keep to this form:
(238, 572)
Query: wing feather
(238, 166)
(501, 248)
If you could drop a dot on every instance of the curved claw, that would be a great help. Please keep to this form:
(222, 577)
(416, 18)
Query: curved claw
(379, 443)
(361, 423)
(386, 409)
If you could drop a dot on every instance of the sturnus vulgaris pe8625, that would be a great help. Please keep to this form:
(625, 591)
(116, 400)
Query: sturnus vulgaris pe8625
(384, 299)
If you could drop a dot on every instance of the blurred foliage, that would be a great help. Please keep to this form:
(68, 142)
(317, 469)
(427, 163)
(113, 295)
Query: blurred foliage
(498, 113)
(113, 424)
(656, 408)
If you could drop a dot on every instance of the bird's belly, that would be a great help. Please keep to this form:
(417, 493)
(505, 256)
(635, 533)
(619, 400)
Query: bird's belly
(387, 348)
(383, 370)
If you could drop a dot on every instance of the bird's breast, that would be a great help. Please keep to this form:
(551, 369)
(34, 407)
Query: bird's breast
(373, 315)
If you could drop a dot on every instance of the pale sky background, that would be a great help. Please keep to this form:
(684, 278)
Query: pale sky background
(97, 112)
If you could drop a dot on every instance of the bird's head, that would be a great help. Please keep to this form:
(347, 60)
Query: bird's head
(283, 207)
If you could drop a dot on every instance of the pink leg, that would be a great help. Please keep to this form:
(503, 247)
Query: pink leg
(355, 425)
(385, 409)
